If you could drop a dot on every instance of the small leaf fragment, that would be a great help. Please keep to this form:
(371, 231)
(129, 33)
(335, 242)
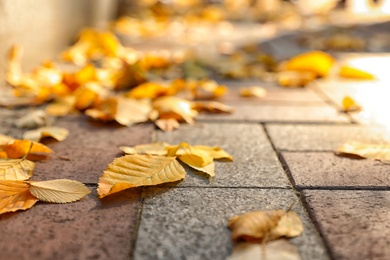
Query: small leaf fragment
(58, 191)
(131, 111)
(354, 73)
(253, 91)
(317, 62)
(58, 133)
(212, 107)
(139, 170)
(16, 169)
(209, 169)
(167, 125)
(176, 108)
(349, 104)
(15, 195)
(369, 151)
(153, 148)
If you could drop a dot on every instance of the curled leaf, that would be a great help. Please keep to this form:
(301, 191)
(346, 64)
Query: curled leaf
(369, 151)
(167, 125)
(213, 107)
(15, 195)
(16, 169)
(58, 133)
(139, 170)
(349, 104)
(58, 191)
(176, 108)
(190, 155)
(153, 148)
(19, 148)
(253, 91)
(316, 62)
(354, 73)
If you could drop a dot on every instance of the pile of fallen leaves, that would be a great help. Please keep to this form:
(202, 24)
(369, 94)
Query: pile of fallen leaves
(259, 234)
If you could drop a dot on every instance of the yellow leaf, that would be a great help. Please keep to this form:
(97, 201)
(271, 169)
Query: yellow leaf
(208, 89)
(190, 155)
(139, 170)
(215, 152)
(16, 169)
(57, 133)
(167, 125)
(176, 108)
(61, 107)
(317, 62)
(85, 97)
(294, 79)
(153, 149)
(209, 169)
(19, 148)
(58, 191)
(354, 73)
(15, 195)
(131, 111)
(213, 107)
(149, 90)
(253, 91)
(369, 151)
(258, 225)
(280, 249)
(349, 104)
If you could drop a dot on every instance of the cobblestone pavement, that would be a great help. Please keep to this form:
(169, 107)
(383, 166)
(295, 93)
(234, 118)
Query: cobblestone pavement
(282, 147)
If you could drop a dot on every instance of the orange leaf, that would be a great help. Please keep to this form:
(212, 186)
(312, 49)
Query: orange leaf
(317, 62)
(354, 73)
(15, 195)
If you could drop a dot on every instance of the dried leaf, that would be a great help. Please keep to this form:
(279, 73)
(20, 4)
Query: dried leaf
(190, 155)
(275, 250)
(19, 148)
(57, 133)
(167, 125)
(258, 225)
(369, 151)
(354, 73)
(15, 195)
(253, 91)
(215, 152)
(150, 90)
(34, 119)
(16, 169)
(58, 191)
(209, 169)
(350, 105)
(176, 108)
(208, 89)
(61, 107)
(316, 62)
(294, 79)
(153, 149)
(213, 107)
(131, 111)
(139, 170)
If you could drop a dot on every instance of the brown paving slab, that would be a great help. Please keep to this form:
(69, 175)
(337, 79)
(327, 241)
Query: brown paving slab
(279, 113)
(323, 169)
(87, 134)
(88, 229)
(274, 94)
(255, 163)
(191, 223)
(355, 224)
(322, 137)
(84, 165)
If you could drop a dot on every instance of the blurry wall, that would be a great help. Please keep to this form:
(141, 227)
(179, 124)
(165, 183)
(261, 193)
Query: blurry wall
(45, 27)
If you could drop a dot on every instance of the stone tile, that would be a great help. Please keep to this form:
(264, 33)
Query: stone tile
(328, 170)
(191, 223)
(84, 165)
(86, 134)
(322, 137)
(255, 163)
(275, 94)
(354, 223)
(88, 229)
(278, 113)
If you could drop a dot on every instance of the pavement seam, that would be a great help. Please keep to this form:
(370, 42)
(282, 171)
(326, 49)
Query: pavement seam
(137, 225)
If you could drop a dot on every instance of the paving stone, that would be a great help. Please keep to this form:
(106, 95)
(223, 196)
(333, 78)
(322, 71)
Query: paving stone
(88, 229)
(255, 163)
(87, 134)
(328, 170)
(354, 223)
(84, 165)
(322, 137)
(277, 113)
(191, 223)
(275, 94)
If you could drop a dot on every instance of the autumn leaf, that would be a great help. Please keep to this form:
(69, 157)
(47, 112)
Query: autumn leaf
(212, 107)
(275, 250)
(354, 73)
(36, 135)
(215, 152)
(350, 105)
(139, 170)
(34, 119)
(19, 148)
(168, 124)
(153, 149)
(253, 91)
(15, 195)
(269, 225)
(150, 90)
(176, 108)
(369, 151)
(61, 107)
(207, 89)
(316, 62)
(208, 169)
(294, 79)
(16, 169)
(190, 155)
(131, 111)
(58, 191)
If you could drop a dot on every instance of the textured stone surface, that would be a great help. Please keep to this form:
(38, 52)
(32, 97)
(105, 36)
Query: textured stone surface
(191, 223)
(322, 137)
(354, 223)
(255, 163)
(278, 113)
(88, 229)
(328, 170)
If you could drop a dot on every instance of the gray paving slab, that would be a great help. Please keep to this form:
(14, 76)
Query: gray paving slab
(255, 162)
(88, 229)
(322, 137)
(354, 223)
(325, 169)
(191, 223)
(279, 113)
(274, 94)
